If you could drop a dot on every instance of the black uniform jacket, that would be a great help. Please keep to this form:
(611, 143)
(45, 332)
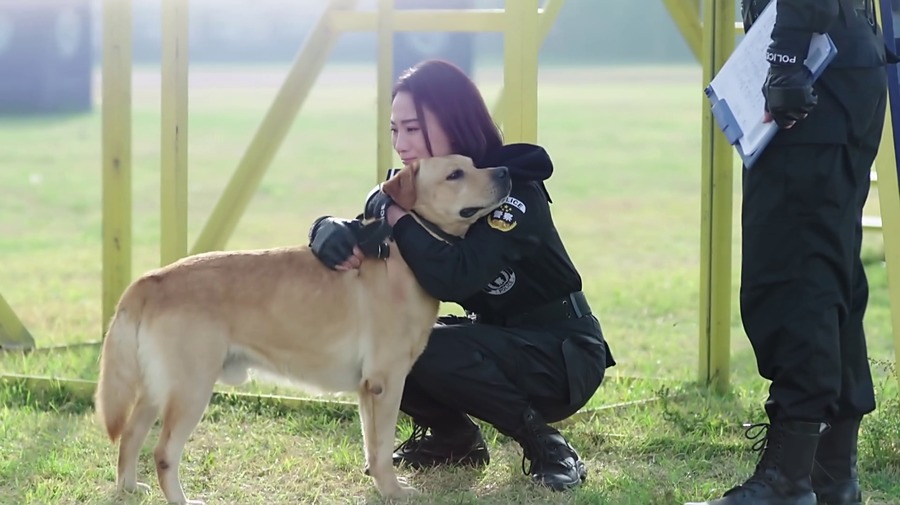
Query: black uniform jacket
(512, 260)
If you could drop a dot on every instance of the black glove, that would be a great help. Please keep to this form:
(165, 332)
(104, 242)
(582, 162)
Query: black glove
(372, 238)
(377, 202)
(788, 89)
(332, 239)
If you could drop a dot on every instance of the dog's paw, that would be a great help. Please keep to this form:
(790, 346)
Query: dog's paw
(403, 491)
(136, 488)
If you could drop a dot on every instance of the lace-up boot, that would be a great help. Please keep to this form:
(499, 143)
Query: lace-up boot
(552, 461)
(834, 476)
(782, 476)
(429, 448)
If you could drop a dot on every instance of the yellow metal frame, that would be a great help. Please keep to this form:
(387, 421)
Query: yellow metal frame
(116, 112)
(13, 335)
(174, 134)
(523, 24)
(716, 209)
(889, 203)
(712, 40)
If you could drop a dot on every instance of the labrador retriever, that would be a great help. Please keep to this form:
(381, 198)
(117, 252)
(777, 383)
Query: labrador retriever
(212, 317)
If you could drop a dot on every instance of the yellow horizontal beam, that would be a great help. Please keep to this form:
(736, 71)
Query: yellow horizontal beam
(83, 390)
(448, 20)
(80, 389)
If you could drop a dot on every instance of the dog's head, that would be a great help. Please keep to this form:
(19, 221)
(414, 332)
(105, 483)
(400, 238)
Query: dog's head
(449, 191)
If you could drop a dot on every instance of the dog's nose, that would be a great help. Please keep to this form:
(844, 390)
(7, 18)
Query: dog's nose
(501, 173)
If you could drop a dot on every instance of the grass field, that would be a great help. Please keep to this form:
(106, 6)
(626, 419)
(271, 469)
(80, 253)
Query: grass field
(626, 145)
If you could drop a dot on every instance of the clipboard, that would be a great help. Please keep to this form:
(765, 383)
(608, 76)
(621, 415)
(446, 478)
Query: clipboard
(735, 93)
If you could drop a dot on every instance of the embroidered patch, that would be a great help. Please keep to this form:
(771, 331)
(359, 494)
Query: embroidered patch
(504, 217)
(503, 283)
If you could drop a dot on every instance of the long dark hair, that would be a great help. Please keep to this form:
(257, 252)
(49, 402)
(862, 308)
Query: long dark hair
(457, 104)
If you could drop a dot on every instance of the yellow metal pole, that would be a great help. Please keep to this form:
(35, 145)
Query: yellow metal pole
(520, 70)
(716, 209)
(271, 132)
(889, 203)
(546, 19)
(686, 16)
(116, 139)
(13, 334)
(174, 136)
(385, 34)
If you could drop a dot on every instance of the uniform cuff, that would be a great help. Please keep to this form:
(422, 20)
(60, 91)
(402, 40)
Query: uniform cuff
(788, 47)
(402, 226)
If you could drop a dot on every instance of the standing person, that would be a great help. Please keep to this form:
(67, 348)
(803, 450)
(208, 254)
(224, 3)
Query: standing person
(531, 352)
(803, 288)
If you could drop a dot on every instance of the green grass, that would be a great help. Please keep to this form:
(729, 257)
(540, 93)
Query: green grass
(626, 145)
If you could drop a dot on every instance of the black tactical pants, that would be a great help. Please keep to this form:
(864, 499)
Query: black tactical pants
(495, 373)
(803, 288)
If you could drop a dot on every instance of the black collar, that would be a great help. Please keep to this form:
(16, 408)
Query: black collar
(434, 229)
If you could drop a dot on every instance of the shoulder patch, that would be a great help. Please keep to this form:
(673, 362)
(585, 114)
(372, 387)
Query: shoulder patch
(503, 283)
(505, 217)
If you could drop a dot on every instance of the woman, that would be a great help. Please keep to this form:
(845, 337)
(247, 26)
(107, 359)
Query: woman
(530, 352)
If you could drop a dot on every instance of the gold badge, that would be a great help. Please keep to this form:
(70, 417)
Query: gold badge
(502, 218)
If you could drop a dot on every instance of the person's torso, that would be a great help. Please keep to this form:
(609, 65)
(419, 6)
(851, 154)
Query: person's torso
(857, 36)
(544, 275)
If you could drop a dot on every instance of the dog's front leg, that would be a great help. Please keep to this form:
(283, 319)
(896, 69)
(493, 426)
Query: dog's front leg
(379, 408)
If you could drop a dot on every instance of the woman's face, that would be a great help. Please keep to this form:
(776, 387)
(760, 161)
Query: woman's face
(407, 135)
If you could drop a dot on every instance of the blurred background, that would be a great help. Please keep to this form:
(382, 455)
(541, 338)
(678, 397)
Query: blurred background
(49, 47)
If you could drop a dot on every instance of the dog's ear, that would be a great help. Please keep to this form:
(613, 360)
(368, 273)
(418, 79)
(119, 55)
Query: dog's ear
(402, 186)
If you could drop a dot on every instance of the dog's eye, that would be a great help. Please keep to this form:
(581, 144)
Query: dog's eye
(456, 174)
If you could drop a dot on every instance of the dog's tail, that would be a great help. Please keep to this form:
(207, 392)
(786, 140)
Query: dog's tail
(120, 373)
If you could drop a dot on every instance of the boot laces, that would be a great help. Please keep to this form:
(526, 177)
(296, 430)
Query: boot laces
(767, 450)
(759, 434)
(412, 443)
(540, 449)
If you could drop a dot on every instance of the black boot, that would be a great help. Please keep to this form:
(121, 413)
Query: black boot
(834, 476)
(782, 474)
(554, 463)
(430, 448)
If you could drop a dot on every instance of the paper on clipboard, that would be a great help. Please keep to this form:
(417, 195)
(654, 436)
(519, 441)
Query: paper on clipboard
(736, 91)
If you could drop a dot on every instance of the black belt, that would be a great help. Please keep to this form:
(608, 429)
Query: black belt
(572, 306)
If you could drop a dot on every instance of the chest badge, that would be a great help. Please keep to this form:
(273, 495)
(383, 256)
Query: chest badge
(504, 218)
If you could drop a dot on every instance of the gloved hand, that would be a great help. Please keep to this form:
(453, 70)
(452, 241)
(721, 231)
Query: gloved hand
(372, 238)
(332, 239)
(788, 89)
(377, 202)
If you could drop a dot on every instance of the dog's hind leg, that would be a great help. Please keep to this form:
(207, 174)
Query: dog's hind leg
(180, 416)
(136, 430)
(379, 408)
